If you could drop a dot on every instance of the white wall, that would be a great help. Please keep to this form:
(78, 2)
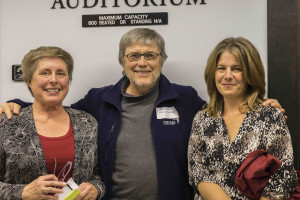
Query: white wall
(191, 34)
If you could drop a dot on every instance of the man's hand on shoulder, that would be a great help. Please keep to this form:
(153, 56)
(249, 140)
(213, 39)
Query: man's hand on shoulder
(9, 108)
(274, 103)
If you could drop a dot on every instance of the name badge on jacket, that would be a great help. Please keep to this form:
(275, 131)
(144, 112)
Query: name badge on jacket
(167, 113)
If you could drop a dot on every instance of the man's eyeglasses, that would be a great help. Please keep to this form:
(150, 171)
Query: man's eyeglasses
(137, 56)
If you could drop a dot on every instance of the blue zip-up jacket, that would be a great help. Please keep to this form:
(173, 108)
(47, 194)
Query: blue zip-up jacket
(170, 136)
(170, 139)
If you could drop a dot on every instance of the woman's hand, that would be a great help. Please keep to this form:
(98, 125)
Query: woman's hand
(87, 192)
(43, 188)
(212, 191)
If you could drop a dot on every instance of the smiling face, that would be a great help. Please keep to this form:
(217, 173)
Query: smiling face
(50, 81)
(229, 77)
(142, 74)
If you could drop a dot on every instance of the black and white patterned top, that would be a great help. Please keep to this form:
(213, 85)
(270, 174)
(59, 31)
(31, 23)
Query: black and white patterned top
(22, 159)
(212, 159)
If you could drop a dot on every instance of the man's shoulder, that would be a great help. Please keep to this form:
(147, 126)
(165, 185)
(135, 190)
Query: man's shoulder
(182, 87)
(104, 89)
(185, 90)
(98, 93)
(178, 87)
(101, 90)
(188, 97)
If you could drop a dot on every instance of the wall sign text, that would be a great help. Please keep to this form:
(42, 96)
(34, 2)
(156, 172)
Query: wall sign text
(128, 19)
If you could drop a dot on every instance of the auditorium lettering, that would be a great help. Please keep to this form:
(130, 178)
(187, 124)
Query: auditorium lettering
(72, 4)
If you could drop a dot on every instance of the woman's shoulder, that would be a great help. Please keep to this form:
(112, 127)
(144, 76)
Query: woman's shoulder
(18, 126)
(202, 117)
(201, 114)
(79, 114)
(24, 115)
(268, 111)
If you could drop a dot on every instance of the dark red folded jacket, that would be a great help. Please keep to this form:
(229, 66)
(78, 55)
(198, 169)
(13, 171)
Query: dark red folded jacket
(254, 173)
(296, 194)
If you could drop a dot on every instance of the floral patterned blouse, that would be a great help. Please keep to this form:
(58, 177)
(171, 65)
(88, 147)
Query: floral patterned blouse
(212, 159)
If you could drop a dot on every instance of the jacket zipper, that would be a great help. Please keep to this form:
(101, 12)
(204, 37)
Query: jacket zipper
(108, 138)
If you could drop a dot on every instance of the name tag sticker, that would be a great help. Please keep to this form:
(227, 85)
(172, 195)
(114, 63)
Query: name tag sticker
(70, 191)
(166, 113)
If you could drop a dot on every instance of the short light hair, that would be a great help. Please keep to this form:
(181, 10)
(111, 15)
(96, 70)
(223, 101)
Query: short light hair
(29, 62)
(144, 36)
(250, 62)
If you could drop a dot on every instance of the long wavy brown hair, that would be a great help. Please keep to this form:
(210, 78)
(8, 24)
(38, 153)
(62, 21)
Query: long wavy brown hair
(250, 62)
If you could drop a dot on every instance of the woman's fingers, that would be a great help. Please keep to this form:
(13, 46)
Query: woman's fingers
(87, 192)
(44, 187)
(53, 189)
